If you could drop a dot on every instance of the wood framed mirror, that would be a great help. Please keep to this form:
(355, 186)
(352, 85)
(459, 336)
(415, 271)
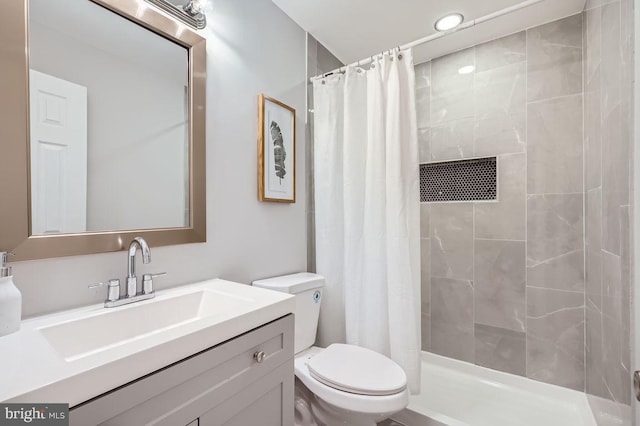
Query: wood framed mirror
(142, 170)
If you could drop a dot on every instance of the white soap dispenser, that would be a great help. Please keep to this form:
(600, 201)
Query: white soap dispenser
(10, 299)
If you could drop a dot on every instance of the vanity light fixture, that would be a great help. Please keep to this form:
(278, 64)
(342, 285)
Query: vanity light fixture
(192, 13)
(467, 69)
(195, 7)
(449, 22)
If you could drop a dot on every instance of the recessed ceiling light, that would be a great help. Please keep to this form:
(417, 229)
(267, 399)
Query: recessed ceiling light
(449, 21)
(467, 69)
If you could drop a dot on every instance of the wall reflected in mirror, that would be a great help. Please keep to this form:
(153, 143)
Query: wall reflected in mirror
(109, 106)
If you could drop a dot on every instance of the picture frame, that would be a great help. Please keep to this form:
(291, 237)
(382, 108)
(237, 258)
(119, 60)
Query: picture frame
(276, 151)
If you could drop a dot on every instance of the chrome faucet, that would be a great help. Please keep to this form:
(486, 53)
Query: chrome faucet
(113, 286)
(132, 280)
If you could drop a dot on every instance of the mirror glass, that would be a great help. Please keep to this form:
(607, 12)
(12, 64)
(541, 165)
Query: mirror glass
(109, 122)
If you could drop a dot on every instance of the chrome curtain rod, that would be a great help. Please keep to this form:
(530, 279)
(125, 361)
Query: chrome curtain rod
(461, 27)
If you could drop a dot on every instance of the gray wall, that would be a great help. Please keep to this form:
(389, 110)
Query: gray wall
(503, 283)
(608, 139)
(246, 239)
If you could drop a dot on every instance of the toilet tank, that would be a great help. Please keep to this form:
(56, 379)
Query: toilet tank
(307, 288)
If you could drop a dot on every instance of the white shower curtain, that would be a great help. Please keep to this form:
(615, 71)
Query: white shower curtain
(367, 209)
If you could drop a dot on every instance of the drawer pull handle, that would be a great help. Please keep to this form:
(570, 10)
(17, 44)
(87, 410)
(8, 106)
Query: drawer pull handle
(259, 356)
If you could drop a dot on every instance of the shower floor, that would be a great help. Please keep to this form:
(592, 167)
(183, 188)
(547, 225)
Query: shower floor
(456, 393)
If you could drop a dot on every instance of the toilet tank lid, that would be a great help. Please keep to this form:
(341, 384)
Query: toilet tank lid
(294, 283)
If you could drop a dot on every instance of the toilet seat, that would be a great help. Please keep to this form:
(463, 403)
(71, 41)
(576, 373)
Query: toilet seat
(346, 400)
(357, 370)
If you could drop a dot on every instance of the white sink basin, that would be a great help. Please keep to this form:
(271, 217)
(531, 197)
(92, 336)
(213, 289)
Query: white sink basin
(73, 356)
(111, 327)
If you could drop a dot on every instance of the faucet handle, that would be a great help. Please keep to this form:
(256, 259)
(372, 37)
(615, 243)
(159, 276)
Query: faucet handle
(113, 289)
(147, 282)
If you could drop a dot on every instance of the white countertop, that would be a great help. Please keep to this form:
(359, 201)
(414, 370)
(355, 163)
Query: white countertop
(31, 370)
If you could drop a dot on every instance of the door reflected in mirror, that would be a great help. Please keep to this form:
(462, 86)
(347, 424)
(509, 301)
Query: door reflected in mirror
(109, 109)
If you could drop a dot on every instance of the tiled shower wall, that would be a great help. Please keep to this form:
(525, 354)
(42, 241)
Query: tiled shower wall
(608, 71)
(503, 282)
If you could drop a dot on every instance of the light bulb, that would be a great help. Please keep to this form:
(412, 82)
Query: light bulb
(195, 7)
(449, 22)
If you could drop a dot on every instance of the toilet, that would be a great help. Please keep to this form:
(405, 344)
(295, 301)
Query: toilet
(341, 384)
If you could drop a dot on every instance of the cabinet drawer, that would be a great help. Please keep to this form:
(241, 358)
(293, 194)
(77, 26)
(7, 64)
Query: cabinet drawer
(179, 393)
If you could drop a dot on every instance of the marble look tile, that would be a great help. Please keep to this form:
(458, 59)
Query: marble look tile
(593, 247)
(592, 44)
(612, 286)
(592, 4)
(452, 241)
(554, 59)
(626, 283)
(425, 275)
(593, 218)
(423, 107)
(423, 75)
(593, 276)
(457, 105)
(505, 219)
(451, 91)
(562, 272)
(555, 337)
(501, 90)
(500, 349)
(425, 328)
(500, 284)
(554, 146)
(627, 38)
(593, 134)
(424, 145)
(593, 345)
(500, 106)
(452, 318)
(445, 77)
(615, 179)
(615, 375)
(500, 52)
(425, 220)
(611, 64)
(500, 133)
(555, 242)
(452, 140)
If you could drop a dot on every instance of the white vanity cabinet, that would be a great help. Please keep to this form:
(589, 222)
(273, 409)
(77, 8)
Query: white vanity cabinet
(232, 383)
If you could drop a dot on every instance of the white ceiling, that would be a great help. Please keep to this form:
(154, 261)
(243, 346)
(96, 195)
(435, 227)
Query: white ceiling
(356, 29)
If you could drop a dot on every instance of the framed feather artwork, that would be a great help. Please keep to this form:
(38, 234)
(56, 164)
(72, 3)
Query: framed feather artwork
(276, 151)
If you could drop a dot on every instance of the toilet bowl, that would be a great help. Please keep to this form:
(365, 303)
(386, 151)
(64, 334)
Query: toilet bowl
(342, 384)
(371, 394)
